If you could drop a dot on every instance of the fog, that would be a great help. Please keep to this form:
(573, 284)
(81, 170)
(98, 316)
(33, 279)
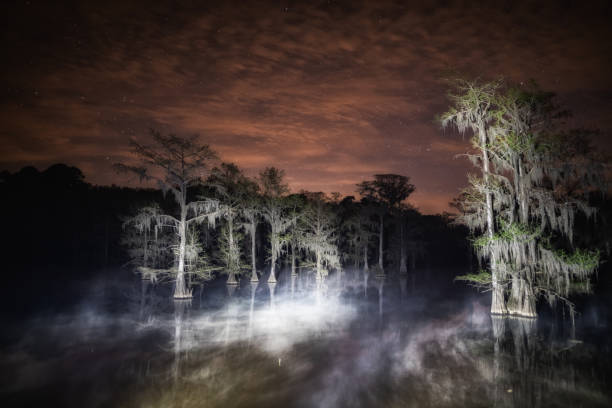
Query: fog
(296, 343)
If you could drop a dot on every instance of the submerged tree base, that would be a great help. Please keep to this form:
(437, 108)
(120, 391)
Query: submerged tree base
(232, 280)
(523, 315)
(514, 315)
(183, 296)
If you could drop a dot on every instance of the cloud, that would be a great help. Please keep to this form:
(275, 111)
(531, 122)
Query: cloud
(331, 92)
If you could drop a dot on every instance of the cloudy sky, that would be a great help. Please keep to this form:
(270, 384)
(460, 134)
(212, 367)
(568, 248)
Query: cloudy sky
(331, 91)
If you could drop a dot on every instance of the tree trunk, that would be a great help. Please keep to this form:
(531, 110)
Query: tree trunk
(498, 305)
(272, 277)
(522, 299)
(253, 228)
(526, 300)
(381, 286)
(293, 272)
(366, 266)
(514, 300)
(145, 260)
(528, 308)
(319, 275)
(522, 195)
(180, 290)
(231, 280)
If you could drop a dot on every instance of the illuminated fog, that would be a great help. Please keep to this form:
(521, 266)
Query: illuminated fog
(336, 345)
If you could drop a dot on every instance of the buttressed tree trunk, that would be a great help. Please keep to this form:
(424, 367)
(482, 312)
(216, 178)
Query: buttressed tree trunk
(232, 252)
(498, 304)
(522, 298)
(180, 288)
(293, 271)
(319, 272)
(254, 277)
(272, 277)
(145, 260)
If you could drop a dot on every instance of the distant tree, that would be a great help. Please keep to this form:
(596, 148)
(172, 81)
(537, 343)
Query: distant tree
(146, 244)
(177, 163)
(235, 190)
(319, 236)
(357, 230)
(296, 235)
(388, 191)
(61, 177)
(409, 234)
(197, 265)
(274, 209)
(251, 211)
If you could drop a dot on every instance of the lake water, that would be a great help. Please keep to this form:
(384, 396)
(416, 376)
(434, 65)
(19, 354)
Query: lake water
(296, 344)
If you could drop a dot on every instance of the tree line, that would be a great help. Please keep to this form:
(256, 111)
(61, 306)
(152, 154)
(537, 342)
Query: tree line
(310, 231)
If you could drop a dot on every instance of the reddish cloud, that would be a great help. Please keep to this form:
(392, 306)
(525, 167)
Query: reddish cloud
(331, 92)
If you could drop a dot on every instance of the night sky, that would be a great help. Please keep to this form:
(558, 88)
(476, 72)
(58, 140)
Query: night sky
(332, 92)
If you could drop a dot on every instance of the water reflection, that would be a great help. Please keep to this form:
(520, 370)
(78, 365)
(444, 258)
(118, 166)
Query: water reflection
(304, 343)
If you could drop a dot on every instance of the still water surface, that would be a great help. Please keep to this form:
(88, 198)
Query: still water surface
(344, 344)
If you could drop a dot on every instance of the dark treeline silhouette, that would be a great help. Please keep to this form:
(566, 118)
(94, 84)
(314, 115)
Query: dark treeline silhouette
(59, 227)
(58, 220)
(60, 230)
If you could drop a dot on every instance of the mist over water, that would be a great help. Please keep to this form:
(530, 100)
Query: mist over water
(299, 344)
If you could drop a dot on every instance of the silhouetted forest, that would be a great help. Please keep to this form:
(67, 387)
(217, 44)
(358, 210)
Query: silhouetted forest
(59, 227)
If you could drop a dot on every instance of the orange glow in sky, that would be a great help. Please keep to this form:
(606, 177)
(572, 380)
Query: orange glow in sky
(332, 92)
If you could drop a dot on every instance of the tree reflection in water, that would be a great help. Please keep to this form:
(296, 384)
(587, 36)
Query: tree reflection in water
(337, 348)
